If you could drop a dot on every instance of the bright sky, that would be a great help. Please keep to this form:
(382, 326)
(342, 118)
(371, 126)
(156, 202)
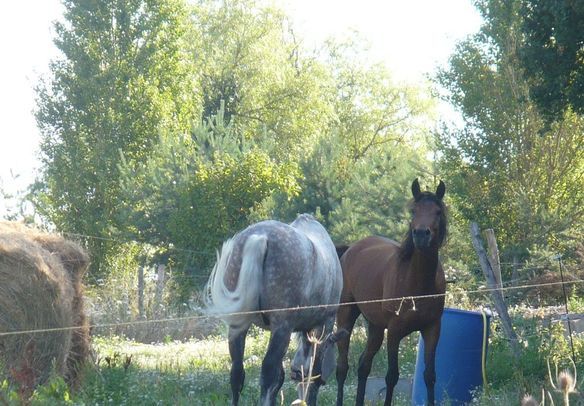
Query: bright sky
(411, 36)
(26, 47)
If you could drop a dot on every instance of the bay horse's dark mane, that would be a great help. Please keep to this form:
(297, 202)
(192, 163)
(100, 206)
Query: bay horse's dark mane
(407, 246)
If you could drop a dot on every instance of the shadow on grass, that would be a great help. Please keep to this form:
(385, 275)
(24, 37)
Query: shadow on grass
(197, 372)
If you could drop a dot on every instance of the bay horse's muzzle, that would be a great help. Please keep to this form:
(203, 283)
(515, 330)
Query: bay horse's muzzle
(422, 237)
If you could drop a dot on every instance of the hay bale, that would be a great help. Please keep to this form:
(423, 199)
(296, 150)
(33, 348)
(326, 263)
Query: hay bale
(35, 293)
(76, 262)
(41, 287)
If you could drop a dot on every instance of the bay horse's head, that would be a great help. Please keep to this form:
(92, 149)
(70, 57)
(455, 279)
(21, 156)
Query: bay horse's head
(428, 223)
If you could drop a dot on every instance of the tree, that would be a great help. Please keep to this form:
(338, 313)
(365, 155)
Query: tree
(248, 58)
(552, 55)
(122, 79)
(373, 122)
(369, 108)
(506, 169)
(190, 198)
(375, 197)
(116, 119)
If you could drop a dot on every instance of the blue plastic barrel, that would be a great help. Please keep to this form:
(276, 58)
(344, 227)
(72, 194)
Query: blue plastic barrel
(458, 359)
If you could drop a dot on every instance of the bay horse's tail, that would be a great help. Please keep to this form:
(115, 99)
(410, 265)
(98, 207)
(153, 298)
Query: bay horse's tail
(341, 249)
(221, 301)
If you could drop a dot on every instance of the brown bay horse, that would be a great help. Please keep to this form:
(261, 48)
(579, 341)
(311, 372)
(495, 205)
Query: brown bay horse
(378, 268)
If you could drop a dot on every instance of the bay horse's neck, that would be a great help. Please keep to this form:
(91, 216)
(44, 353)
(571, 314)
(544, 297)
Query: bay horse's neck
(422, 267)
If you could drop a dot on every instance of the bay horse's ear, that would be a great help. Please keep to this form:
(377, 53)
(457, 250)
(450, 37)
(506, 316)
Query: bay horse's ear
(416, 189)
(440, 190)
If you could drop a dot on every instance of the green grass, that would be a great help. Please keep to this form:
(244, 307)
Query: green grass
(197, 372)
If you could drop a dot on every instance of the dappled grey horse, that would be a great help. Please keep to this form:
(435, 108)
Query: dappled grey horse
(271, 266)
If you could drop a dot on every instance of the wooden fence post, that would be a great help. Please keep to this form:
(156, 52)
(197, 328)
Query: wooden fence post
(141, 292)
(494, 256)
(160, 283)
(499, 303)
(515, 273)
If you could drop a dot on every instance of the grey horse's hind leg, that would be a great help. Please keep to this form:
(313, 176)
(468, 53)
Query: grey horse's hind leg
(237, 377)
(272, 376)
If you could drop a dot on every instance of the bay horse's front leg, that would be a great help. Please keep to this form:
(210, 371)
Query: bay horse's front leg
(272, 375)
(392, 376)
(346, 317)
(374, 341)
(430, 334)
(236, 351)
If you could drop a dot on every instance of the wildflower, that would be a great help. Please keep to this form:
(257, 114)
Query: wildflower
(565, 382)
(529, 400)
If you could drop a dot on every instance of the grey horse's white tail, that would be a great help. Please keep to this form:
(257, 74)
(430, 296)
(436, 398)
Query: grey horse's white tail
(221, 301)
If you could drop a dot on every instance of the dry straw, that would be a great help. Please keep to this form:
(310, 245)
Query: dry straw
(40, 288)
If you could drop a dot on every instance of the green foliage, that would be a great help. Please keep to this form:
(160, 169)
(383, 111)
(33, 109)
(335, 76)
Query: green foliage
(375, 197)
(221, 194)
(506, 170)
(122, 78)
(121, 161)
(370, 110)
(195, 191)
(541, 341)
(552, 55)
(249, 59)
(324, 175)
(576, 302)
(8, 394)
(56, 391)
(113, 297)
(378, 131)
(354, 199)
